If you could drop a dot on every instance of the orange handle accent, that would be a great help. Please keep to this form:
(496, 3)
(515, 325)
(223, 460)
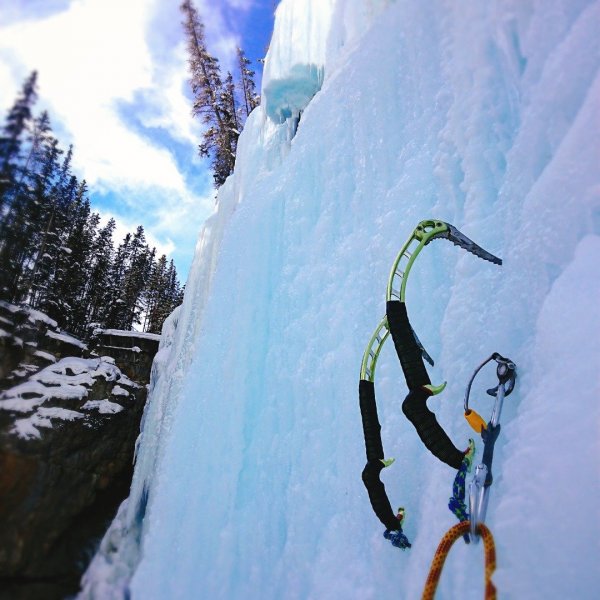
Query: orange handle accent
(475, 421)
(442, 552)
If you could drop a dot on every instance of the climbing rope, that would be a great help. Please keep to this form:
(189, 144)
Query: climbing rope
(439, 558)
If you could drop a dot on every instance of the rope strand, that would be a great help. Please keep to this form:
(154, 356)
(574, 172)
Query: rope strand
(439, 558)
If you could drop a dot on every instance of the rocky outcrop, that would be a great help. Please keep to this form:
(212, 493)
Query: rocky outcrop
(133, 351)
(30, 340)
(68, 424)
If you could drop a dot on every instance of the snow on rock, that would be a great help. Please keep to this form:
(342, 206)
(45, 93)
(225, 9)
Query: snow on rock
(45, 355)
(104, 407)
(30, 394)
(124, 380)
(134, 334)
(9, 307)
(70, 379)
(28, 428)
(36, 316)
(68, 339)
(119, 391)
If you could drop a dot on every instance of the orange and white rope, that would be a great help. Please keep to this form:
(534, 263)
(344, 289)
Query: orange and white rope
(437, 564)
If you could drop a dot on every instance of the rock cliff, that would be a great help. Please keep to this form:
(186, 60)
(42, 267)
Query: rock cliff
(69, 418)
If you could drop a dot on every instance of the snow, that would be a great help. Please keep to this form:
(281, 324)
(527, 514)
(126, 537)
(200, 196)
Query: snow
(63, 337)
(9, 307)
(124, 380)
(68, 380)
(28, 428)
(36, 316)
(248, 471)
(45, 355)
(119, 391)
(135, 334)
(104, 407)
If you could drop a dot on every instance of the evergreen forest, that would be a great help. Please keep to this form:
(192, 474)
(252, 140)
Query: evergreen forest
(54, 254)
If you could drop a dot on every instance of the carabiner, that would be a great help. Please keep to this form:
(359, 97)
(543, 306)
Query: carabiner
(483, 479)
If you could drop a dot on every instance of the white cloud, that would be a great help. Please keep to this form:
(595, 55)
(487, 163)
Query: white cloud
(221, 41)
(123, 227)
(107, 70)
(89, 58)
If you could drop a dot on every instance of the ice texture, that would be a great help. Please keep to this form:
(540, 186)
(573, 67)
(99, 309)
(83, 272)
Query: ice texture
(248, 475)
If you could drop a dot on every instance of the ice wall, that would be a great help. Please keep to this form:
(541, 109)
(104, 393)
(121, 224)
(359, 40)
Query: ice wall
(248, 483)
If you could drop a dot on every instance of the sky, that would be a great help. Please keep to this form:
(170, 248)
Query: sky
(113, 76)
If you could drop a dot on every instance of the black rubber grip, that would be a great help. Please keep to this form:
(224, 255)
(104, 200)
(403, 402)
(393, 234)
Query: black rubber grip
(415, 404)
(407, 349)
(370, 420)
(374, 447)
(429, 430)
(378, 496)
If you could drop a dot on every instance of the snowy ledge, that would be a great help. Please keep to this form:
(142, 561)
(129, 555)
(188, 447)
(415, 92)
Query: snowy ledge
(135, 334)
(70, 379)
(63, 337)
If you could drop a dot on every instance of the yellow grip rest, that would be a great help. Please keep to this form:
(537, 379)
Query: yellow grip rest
(475, 421)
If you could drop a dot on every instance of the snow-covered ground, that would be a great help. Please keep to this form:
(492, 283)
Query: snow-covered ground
(482, 114)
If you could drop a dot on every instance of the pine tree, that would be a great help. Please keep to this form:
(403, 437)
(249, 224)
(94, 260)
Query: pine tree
(136, 277)
(19, 118)
(40, 212)
(207, 87)
(215, 100)
(66, 298)
(247, 85)
(115, 310)
(59, 202)
(52, 255)
(167, 297)
(154, 290)
(26, 219)
(97, 293)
